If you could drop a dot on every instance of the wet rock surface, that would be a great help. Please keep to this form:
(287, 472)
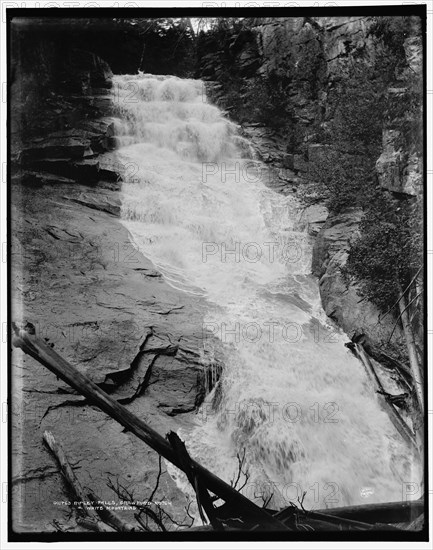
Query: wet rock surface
(79, 280)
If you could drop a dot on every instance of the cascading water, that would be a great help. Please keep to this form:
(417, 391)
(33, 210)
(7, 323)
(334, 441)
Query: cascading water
(291, 399)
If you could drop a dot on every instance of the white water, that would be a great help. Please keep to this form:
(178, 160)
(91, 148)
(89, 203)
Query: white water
(291, 395)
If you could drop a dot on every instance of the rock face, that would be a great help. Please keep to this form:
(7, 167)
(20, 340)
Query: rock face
(399, 170)
(341, 301)
(77, 277)
(400, 166)
(307, 57)
(313, 218)
(333, 239)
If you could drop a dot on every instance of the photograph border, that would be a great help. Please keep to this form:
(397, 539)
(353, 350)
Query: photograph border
(419, 10)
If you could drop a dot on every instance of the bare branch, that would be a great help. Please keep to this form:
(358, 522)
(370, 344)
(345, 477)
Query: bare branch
(401, 296)
(399, 317)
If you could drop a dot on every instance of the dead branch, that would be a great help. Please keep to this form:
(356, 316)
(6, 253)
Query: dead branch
(402, 313)
(44, 354)
(143, 509)
(109, 517)
(160, 517)
(241, 470)
(415, 365)
(382, 317)
(91, 516)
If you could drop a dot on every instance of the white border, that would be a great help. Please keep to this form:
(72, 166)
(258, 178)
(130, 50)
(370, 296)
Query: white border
(3, 294)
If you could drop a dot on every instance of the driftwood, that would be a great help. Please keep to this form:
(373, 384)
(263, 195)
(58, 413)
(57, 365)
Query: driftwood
(92, 520)
(401, 368)
(44, 354)
(325, 522)
(109, 517)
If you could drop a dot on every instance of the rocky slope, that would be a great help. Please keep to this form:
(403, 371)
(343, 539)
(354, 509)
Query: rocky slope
(77, 277)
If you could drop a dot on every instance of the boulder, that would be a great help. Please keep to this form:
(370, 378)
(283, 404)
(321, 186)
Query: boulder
(313, 218)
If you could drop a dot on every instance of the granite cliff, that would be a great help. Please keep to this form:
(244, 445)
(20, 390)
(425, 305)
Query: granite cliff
(281, 79)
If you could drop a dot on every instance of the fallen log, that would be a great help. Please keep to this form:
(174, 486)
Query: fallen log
(92, 519)
(394, 415)
(416, 367)
(44, 354)
(386, 512)
(112, 519)
(203, 498)
(400, 367)
(329, 522)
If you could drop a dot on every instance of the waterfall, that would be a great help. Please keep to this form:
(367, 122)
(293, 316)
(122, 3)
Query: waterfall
(291, 399)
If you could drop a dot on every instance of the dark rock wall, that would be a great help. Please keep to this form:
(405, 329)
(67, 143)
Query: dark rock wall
(55, 87)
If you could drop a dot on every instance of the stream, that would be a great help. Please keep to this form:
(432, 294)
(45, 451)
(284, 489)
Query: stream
(292, 403)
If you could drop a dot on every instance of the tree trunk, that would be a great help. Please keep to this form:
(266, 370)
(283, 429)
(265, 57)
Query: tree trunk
(411, 348)
(74, 484)
(386, 404)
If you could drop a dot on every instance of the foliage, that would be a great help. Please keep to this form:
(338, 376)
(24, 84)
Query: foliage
(391, 32)
(266, 101)
(344, 180)
(388, 249)
(168, 47)
(346, 173)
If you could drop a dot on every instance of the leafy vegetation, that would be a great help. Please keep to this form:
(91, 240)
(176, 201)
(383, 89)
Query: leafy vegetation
(388, 250)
